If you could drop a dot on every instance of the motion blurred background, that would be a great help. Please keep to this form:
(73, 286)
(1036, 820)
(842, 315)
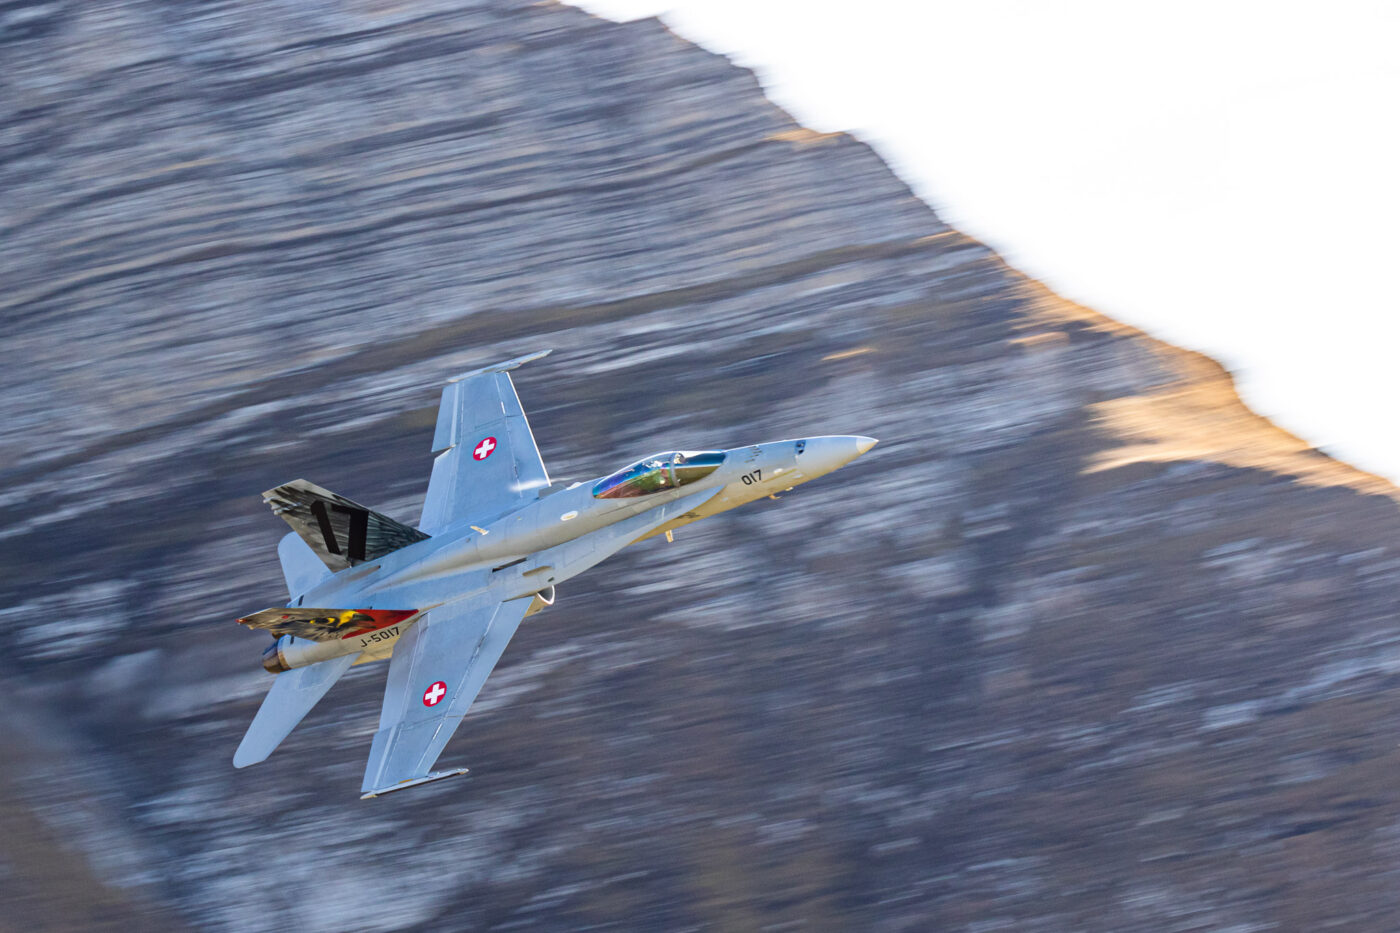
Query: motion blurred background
(1084, 644)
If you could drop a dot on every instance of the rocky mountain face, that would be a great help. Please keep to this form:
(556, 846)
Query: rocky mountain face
(1082, 645)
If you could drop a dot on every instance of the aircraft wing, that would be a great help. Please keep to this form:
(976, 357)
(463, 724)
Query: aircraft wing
(438, 668)
(486, 456)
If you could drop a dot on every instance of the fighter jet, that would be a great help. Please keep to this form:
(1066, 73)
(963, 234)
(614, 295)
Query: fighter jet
(441, 601)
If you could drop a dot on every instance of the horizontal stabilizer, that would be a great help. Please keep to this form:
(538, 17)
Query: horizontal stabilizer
(341, 532)
(291, 697)
(324, 624)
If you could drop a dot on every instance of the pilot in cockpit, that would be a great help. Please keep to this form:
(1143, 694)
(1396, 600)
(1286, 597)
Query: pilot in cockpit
(659, 473)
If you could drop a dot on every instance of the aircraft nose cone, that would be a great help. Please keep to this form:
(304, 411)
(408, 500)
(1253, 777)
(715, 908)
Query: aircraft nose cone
(824, 454)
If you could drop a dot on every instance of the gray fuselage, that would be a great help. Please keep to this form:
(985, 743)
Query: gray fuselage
(563, 531)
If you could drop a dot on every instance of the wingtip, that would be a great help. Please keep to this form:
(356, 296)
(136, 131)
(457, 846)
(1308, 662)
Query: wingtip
(505, 367)
(404, 785)
(243, 760)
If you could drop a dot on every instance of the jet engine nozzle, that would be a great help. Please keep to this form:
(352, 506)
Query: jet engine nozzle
(272, 660)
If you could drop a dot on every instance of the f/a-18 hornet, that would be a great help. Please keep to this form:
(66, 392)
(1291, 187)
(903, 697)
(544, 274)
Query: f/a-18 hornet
(442, 600)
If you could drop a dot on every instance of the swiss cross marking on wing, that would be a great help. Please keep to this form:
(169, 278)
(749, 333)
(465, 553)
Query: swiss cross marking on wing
(434, 694)
(483, 450)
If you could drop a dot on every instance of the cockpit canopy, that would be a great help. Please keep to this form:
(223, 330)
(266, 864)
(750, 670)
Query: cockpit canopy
(659, 473)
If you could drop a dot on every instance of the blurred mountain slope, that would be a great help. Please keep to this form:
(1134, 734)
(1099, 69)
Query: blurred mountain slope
(1084, 644)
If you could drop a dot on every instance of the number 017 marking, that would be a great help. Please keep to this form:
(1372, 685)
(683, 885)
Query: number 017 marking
(749, 479)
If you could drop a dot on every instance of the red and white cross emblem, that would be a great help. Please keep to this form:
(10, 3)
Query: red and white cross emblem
(483, 450)
(434, 694)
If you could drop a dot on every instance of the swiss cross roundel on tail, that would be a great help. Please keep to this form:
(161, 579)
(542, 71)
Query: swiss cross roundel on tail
(484, 449)
(434, 694)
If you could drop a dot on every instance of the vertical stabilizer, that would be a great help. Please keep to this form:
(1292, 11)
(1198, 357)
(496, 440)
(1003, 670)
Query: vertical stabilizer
(301, 568)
